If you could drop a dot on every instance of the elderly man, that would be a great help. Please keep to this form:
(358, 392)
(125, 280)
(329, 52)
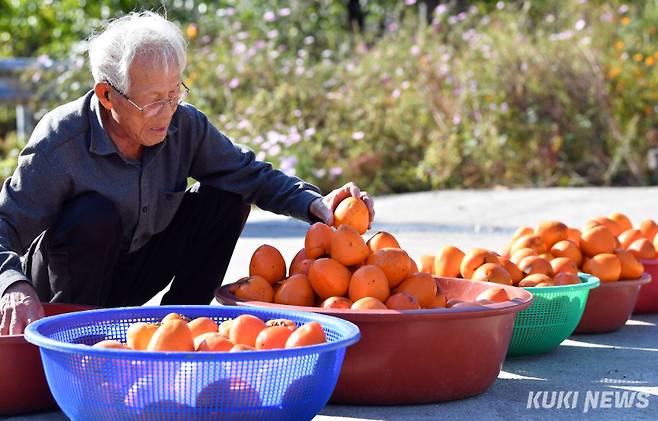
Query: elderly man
(98, 204)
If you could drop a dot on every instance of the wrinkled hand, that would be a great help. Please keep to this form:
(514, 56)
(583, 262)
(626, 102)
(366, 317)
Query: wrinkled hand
(19, 306)
(324, 208)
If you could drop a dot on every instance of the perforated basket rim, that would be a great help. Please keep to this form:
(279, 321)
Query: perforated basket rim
(590, 282)
(33, 335)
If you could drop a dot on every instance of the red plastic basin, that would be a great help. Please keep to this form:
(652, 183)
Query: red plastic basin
(610, 305)
(23, 386)
(647, 301)
(421, 356)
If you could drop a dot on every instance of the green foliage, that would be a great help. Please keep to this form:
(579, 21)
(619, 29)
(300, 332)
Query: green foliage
(533, 93)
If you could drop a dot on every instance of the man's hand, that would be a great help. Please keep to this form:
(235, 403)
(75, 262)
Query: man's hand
(324, 209)
(19, 306)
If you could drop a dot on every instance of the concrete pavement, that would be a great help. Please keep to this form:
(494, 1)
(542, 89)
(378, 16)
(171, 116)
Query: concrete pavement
(591, 365)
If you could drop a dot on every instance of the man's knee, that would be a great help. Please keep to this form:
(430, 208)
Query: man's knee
(87, 219)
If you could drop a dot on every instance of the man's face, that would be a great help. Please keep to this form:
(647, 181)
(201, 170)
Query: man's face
(148, 84)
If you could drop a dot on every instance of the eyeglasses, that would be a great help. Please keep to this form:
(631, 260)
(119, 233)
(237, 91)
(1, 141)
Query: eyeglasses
(154, 108)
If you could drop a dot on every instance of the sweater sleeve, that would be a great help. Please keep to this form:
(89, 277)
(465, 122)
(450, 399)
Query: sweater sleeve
(29, 202)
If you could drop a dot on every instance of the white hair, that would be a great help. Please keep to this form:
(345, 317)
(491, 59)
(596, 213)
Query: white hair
(144, 35)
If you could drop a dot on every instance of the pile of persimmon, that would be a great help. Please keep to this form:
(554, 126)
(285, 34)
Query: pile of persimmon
(338, 268)
(606, 247)
(552, 254)
(484, 265)
(246, 332)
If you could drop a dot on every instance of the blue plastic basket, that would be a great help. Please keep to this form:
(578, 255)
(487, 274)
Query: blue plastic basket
(107, 384)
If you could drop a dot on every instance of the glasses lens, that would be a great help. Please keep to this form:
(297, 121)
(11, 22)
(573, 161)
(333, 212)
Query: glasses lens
(151, 110)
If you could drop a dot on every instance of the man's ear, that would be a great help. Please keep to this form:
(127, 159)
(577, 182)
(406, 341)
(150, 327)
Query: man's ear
(102, 91)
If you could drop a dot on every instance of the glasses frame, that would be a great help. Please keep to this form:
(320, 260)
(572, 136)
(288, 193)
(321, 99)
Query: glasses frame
(162, 102)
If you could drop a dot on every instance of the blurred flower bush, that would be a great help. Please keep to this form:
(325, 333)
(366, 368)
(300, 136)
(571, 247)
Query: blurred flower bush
(527, 93)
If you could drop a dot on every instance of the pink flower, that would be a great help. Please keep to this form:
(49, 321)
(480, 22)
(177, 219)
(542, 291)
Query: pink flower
(234, 83)
(269, 16)
(287, 165)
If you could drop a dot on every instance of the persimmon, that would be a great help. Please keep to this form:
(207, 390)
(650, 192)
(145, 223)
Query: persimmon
(296, 262)
(308, 334)
(224, 327)
(295, 291)
(611, 225)
(535, 264)
(621, 220)
(427, 263)
(329, 278)
(421, 286)
(521, 254)
(282, 322)
(253, 288)
(139, 334)
(605, 266)
(597, 240)
(301, 268)
(413, 267)
(382, 240)
(402, 301)
(174, 316)
(642, 249)
(368, 303)
(337, 302)
(439, 300)
(568, 249)
(476, 258)
(317, 242)
(492, 272)
(496, 295)
(566, 278)
(552, 232)
(348, 247)
(172, 335)
(368, 281)
(574, 235)
(564, 264)
(395, 263)
(245, 329)
(534, 280)
(629, 236)
(212, 342)
(202, 325)
(273, 337)
(352, 211)
(532, 241)
(447, 262)
(268, 262)
(513, 270)
(223, 393)
(649, 229)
